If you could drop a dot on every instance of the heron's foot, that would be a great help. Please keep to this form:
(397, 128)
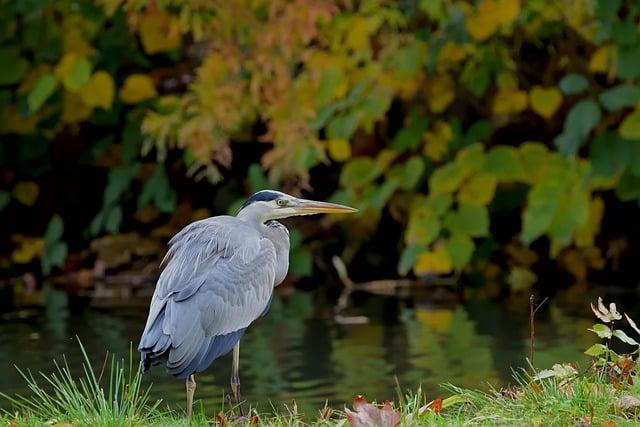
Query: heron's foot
(235, 388)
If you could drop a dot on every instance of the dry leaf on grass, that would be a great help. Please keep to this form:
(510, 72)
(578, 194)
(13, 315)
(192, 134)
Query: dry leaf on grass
(368, 415)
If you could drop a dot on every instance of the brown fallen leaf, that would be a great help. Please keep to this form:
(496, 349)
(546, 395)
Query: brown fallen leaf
(367, 415)
(608, 424)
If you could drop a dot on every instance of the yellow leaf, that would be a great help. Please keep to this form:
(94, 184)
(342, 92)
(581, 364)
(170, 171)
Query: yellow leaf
(30, 248)
(339, 149)
(585, 235)
(490, 15)
(545, 101)
(137, 88)
(440, 93)
(436, 262)
(159, 32)
(479, 190)
(601, 60)
(509, 101)
(521, 279)
(64, 71)
(484, 22)
(74, 109)
(14, 121)
(630, 126)
(99, 91)
(26, 192)
(437, 140)
(451, 54)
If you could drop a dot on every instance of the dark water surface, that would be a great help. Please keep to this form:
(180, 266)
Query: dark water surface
(299, 352)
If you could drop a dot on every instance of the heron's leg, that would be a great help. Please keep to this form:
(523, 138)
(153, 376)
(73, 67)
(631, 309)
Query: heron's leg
(191, 389)
(235, 375)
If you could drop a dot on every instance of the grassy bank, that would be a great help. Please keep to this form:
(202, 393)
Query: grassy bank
(605, 393)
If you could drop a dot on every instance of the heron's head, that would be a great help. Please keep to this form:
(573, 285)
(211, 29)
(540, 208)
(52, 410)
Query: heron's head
(266, 205)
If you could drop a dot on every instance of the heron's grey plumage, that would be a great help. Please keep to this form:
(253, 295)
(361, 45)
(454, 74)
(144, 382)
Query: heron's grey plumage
(218, 278)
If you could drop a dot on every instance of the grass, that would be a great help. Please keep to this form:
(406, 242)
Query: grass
(117, 399)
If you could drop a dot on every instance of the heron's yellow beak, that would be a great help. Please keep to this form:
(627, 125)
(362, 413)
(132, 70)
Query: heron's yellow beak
(308, 207)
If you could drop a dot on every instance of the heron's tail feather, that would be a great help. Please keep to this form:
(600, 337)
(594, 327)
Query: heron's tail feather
(154, 343)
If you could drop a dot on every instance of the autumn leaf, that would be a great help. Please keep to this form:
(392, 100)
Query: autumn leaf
(440, 92)
(365, 414)
(26, 192)
(99, 90)
(436, 140)
(509, 101)
(339, 149)
(74, 109)
(630, 126)
(478, 190)
(601, 60)
(159, 32)
(490, 15)
(545, 101)
(437, 261)
(30, 248)
(73, 71)
(137, 88)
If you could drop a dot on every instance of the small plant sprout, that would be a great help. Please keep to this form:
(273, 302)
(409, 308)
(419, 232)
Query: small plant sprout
(617, 365)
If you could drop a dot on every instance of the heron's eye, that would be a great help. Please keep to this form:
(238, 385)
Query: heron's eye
(281, 202)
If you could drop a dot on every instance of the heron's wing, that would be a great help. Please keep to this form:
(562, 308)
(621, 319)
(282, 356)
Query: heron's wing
(219, 278)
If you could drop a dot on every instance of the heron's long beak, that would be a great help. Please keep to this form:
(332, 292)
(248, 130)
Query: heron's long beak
(308, 207)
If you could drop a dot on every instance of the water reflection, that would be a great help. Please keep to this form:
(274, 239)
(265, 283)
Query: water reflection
(296, 353)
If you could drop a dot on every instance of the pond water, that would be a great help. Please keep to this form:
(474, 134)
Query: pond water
(299, 352)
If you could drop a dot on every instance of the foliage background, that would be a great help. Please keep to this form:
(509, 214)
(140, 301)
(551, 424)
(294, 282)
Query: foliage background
(471, 134)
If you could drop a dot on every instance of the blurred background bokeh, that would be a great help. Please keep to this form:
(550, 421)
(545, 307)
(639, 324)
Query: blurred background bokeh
(492, 148)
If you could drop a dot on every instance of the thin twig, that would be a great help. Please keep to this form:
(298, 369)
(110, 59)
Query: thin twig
(533, 309)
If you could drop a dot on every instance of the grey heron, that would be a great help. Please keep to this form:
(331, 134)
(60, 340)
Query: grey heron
(219, 276)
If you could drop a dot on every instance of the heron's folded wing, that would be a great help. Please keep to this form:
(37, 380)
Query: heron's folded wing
(219, 277)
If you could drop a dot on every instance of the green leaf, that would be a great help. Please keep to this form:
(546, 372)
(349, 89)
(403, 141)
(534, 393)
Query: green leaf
(543, 201)
(439, 203)
(572, 84)
(42, 90)
(408, 174)
(572, 213)
(504, 162)
(408, 258)
(422, 229)
(603, 331)
(54, 230)
(460, 247)
(628, 60)
(158, 189)
(628, 188)
(257, 179)
(447, 178)
(113, 220)
(79, 74)
(13, 66)
(621, 96)
(609, 154)
(301, 261)
(407, 139)
(596, 350)
(630, 126)
(53, 256)
(343, 126)
(359, 171)
(622, 336)
(472, 220)
(5, 198)
(582, 118)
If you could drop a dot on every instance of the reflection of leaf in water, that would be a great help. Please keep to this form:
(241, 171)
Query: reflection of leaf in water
(259, 362)
(359, 358)
(437, 355)
(55, 302)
